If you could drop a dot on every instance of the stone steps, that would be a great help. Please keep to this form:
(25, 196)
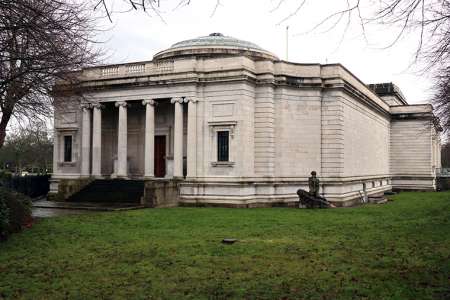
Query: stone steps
(110, 191)
(92, 206)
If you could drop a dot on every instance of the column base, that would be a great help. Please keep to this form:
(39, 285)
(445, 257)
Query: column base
(116, 176)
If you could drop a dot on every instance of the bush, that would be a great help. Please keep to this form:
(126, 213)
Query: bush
(4, 218)
(15, 212)
(5, 175)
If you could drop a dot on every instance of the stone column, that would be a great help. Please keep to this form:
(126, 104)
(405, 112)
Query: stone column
(86, 140)
(97, 140)
(178, 138)
(122, 134)
(191, 137)
(149, 152)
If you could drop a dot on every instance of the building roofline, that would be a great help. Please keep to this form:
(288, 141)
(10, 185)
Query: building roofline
(388, 89)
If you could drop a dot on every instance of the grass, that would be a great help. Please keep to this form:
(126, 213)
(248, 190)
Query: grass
(400, 250)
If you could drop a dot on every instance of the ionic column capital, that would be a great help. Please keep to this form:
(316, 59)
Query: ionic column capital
(190, 99)
(149, 102)
(121, 103)
(97, 105)
(177, 100)
(85, 106)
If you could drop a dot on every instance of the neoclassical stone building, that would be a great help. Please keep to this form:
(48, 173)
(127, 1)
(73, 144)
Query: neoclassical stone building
(235, 125)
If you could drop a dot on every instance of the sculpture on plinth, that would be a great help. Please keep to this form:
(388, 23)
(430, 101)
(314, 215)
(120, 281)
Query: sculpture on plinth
(312, 199)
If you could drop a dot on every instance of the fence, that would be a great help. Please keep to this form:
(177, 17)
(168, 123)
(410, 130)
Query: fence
(32, 186)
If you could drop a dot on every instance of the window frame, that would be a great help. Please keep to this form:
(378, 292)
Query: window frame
(223, 151)
(65, 150)
(215, 127)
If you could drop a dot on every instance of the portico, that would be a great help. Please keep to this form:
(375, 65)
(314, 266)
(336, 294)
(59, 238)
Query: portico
(116, 158)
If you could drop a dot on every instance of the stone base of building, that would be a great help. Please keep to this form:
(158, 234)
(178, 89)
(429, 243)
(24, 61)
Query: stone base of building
(278, 193)
(161, 193)
(252, 194)
(413, 183)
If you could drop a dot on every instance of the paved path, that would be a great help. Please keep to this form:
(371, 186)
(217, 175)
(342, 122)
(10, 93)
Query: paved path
(38, 212)
(46, 209)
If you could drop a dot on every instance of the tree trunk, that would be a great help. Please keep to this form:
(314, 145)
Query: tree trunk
(3, 124)
(2, 134)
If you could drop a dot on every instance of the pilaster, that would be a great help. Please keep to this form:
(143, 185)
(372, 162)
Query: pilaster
(191, 137)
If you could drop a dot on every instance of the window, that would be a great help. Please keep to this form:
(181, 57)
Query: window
(223, 145)
(67, 148)
(222, 134)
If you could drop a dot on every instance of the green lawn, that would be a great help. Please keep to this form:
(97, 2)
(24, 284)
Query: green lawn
(400, 250)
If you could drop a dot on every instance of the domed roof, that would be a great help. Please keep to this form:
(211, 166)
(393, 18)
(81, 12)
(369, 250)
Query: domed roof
(215, 44)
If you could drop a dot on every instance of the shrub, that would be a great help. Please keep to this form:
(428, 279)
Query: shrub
(4, 218)
(15, 212)
(5, 177)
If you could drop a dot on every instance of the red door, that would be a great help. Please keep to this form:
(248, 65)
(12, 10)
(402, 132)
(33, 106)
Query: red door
(160, 155)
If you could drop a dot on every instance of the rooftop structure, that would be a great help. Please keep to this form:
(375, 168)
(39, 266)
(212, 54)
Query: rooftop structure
(215, 44)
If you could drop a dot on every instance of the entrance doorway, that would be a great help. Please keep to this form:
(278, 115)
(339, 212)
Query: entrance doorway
(160, 155)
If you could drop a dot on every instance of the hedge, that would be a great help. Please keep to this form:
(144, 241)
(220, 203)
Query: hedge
(15, 212)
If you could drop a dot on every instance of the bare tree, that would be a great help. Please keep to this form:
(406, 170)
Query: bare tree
(27, 148)
(441, 97)
(427, 20)
(147, 6)
(41, 41)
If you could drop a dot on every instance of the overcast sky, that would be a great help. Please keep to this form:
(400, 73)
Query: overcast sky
(136, 36)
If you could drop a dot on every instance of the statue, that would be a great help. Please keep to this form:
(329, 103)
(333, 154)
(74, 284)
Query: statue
(314, 184)
(312, 199)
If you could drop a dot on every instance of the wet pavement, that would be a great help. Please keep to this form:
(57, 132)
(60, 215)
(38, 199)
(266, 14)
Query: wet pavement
(38, 212)
(46, 209)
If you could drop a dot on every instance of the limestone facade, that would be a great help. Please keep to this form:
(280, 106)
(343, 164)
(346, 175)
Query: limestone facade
(240, 127)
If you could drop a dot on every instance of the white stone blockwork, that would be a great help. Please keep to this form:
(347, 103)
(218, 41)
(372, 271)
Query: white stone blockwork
(237, 126)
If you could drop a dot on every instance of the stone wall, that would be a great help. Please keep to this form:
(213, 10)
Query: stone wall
(411, 154)
(298, 132)
(67, 121)
(265, 135)
(227, 107)
(161, 193)
(366, 140)
(332, 135)
(62, 189)
(240, 193)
